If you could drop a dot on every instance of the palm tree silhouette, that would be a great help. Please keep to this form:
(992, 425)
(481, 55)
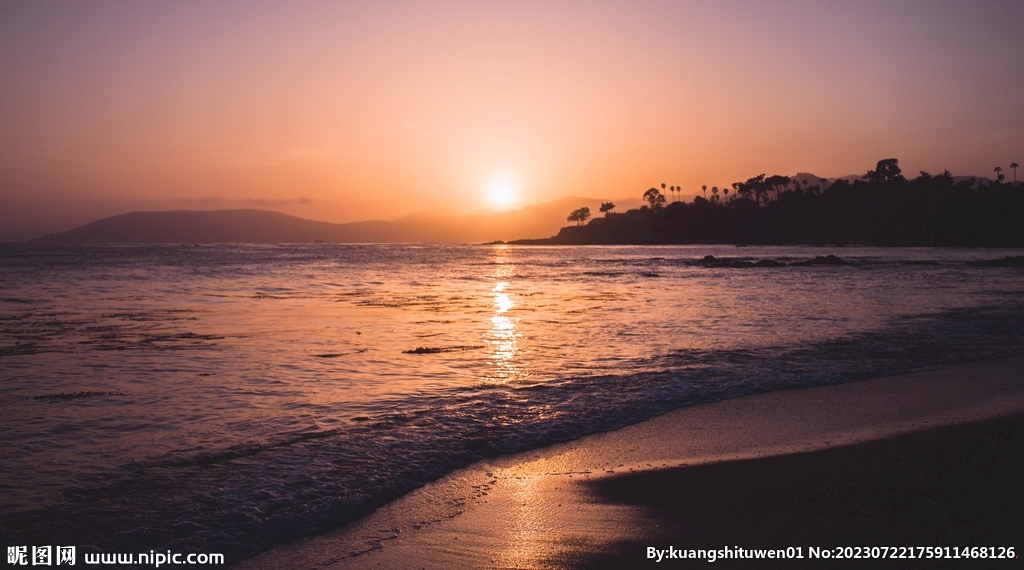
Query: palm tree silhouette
(999, 173)
(705, 189)
(1014, 166)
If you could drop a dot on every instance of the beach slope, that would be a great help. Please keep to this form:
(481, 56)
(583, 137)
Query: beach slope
(921, 459)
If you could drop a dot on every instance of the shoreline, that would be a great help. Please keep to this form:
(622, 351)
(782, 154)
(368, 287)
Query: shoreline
(544, 508)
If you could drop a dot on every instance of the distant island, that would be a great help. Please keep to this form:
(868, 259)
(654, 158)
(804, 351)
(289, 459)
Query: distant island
(881, 208)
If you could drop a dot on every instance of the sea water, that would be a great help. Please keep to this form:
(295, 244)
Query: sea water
(228, 398)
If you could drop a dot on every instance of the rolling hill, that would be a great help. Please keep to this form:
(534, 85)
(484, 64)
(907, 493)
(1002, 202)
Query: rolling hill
(265, 226)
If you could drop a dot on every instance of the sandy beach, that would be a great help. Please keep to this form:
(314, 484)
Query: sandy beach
(925, 457)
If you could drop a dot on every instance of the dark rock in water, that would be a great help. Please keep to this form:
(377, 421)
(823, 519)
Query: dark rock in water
(712, 261)
(1008, 261)
(438, 349)
(820, 260)
(828, 260)
(76, 395)
(650, 275)
(331, 355)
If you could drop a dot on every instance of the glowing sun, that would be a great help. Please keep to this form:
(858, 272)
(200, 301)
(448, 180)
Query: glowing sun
(502, 193)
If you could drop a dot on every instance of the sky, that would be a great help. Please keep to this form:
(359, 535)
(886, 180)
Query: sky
(345, 111)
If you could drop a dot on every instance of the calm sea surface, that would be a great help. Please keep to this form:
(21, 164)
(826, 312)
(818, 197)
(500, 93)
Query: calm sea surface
(227, 398)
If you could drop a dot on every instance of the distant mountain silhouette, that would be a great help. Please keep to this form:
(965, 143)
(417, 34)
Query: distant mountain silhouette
(213, 226)
(264, 226)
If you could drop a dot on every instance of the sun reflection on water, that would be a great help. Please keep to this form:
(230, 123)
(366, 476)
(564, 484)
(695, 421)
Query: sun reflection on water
(503, 337)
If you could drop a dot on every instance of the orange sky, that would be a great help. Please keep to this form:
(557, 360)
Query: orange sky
(342, 111)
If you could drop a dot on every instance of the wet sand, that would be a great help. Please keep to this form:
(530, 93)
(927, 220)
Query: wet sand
(922, 459)
(949, 486)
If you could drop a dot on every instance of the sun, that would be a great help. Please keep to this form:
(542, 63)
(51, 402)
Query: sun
(502, 193)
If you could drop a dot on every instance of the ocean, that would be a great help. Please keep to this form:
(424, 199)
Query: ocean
(228, 398)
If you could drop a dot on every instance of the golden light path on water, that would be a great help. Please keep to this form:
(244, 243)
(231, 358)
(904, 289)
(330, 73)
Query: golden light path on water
(503, 336)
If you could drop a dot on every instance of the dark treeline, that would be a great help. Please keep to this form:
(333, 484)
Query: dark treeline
(882, 208)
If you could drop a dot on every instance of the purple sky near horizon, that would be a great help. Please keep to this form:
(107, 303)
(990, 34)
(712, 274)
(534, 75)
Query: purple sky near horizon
(341, 111)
